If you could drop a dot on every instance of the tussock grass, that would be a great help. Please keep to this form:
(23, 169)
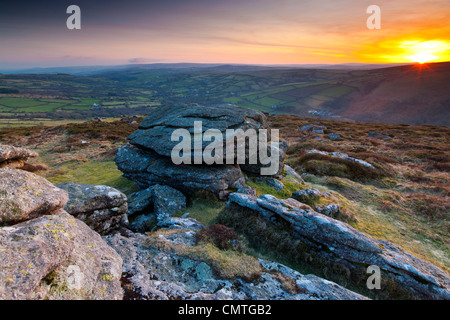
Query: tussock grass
(276, 243)
(226, 264)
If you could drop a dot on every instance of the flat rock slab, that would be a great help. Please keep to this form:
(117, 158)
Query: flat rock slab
(148, 168)
(25, 195)
(155, 131)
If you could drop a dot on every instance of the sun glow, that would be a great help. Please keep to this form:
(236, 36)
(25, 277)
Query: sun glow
(424, 51)
(422, 57)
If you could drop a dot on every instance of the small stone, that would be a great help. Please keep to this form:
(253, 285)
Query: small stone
(334, 136)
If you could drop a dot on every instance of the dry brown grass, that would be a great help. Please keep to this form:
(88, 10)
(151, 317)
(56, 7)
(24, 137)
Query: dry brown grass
(407, 202)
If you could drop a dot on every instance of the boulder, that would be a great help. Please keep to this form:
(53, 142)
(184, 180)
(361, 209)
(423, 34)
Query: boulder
(374, 134)
(14, 156)
(340, 155)
(167, 201)
(317, 129)
(334, 136)
(292, 173)
(101, 207)
(339, 243)
(25, 195)
(57, 257)
(308, 196)
(140, 202)
(307, 127)
(151, 207)
(329, 210)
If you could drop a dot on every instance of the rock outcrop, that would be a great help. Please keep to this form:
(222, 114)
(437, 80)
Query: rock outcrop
(147, 158)
(57, 257)
(45, 253)
(169, 265)
(156, 130)
(101, 207)
(339, 242)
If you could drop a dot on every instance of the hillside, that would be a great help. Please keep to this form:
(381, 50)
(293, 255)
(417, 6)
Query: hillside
(411, 94)
(403, 199)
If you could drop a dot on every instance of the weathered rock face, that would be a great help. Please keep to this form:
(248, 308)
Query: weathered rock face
(14, 157)
(163, 200)
(147, 169)
(339, 242)
(101, 207)
(280, 147)
(147, 159)
(155, 205)
(164, 272)
(155, 131)
(140, 202)
(25, 195)
(45, 253)
(57, 257)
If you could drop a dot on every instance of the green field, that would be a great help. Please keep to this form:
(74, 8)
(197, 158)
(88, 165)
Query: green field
(137, 90)
(126, 92)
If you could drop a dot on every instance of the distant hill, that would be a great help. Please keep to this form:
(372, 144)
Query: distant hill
(410, 94)
(94, 70)
(405, 94)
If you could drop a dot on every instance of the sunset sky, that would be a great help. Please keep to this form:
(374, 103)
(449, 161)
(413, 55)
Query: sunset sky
(34, 33)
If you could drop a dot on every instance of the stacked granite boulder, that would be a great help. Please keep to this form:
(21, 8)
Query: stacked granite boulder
(146, 159)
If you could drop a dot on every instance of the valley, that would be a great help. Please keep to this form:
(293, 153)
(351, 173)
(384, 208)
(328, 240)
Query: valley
(411, 94)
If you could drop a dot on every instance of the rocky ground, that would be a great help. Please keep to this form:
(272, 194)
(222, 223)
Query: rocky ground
(202, 232)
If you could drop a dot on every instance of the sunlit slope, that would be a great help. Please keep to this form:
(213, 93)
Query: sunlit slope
(411, 94)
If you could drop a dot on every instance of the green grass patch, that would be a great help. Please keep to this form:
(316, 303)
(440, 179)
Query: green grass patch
(204, 207)
(95, 173)
(335, 92)
(19, 102)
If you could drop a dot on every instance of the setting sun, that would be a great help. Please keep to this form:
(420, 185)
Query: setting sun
(424, 51)
(422, 57)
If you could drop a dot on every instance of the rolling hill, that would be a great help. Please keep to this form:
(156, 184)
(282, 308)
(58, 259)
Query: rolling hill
(407, 94)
